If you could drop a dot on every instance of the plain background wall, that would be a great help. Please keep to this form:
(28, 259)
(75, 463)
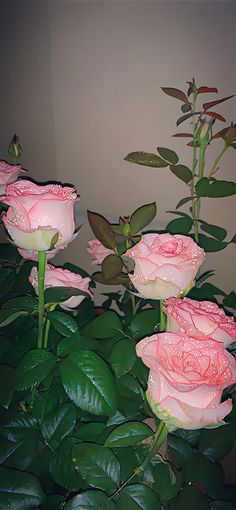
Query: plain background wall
(80, 83)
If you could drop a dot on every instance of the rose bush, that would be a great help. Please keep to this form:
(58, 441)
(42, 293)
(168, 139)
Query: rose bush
(58, 277)
(165, 264)
(200, 319)
(8, 174)
(39, 217)
(187, 378)
(97, 251)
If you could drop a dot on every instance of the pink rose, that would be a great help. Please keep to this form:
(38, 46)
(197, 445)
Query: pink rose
(165, 264)
(97, 251)
(187, 378)
(8, 174)
(33, 255)
(200, 319)
(39, 217)
(58, 277)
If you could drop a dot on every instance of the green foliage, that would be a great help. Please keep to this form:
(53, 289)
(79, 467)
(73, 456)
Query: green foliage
(128, 434)
(97, 465)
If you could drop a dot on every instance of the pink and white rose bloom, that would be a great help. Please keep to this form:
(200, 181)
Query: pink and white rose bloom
(40, 217)
(200, 319)
(165, 264)
(186, 380)
(97, 251)
(58, 277)
(33, 255)
(8, 174)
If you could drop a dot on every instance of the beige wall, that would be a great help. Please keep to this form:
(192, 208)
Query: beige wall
(81, 85)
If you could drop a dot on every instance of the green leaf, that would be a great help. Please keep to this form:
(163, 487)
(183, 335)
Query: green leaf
(183, 173)
(60, 294)
(164, 486)
(215, 444)
(168, 155)
(7, 379)
(180, 450)
(90, 432)
(144, 323)
(222, 505)
(230, 300)
(75, 343)
(90, 500)
(89, 382)
(180, 225)
(123, 356)
(209, 244)
(190, 498)
(215, 231)
(142, 217)
(112, 266)
(183, 201)
(23, 303)
(33, 368)
(8, 316)
(215, 189)
(62, 468)
(102, 229)
(186, 117)
(201, 471)
(63, 323)
(58, 424)
(129, 387)
(206, 291)
(104, 326)
(128, 434)
(138, 497)
(19, 491)
(4, 345)
(176, 93)
(53, 503)
(146, 159)
(97, 465)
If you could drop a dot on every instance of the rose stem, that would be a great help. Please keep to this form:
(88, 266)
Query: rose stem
(157, 441)
(47, 327)
(41, 273)
(194, 164)
(162, 317)
(128, 244)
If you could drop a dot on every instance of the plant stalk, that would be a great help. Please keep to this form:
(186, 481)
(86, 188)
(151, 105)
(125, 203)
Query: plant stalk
(47, 327)
(41, 274)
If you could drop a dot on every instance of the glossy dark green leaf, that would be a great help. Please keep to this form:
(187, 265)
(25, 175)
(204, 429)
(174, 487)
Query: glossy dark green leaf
(142, 217)
(4, 345)
(201, 471)
(206, 291)
(89, 382)
(168, 155)
(97, 465)
(128, 434)
(144, 323)
(230, 300)
(123, 356)
(176, 93)
(183, 173)
(179, 449)
(164, 486)
(62, 467)
(58, 424)
(90, 431)
(190, 498)
(56, 502)
(102, 229)
(146, 159)
(60, 294)
(33, 368)
(112, 266)
(63, 323)
(7, 379)
(209, 244)
(75, 343)
(180, 225)
(138, 497)
(23, 303)
(7, 447)
(215, 231)
(215, 189)
(122, 279)
(216, 443)
(129, 387)
(9, 316)
(105, 325)
(19, 491)
(183, 201)
(186, 117)
(90, 500)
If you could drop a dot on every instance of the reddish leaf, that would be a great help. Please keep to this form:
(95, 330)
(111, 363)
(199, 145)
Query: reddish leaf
(231, 134)
(190, 144)
(204, 90)
(186, 117)
(178, 94)
(223, 132)
(183, 135)
(206, 106)
(216, 116)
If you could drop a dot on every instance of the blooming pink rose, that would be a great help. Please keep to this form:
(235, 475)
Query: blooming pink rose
(39, 217)
(165, 264)
(187, 378)
(58, 277)
(200, 319)
(8, 174)
(97, 251)
(33, 255)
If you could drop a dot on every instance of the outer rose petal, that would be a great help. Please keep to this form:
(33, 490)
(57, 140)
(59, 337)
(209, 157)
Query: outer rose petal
(155, 289)
(33, 255)
(8, 174)
(39, 239)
